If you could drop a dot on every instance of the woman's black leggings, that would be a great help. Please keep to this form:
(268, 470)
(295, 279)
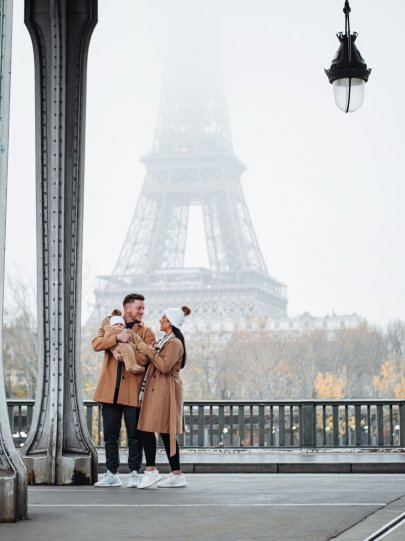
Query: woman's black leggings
(149, 446)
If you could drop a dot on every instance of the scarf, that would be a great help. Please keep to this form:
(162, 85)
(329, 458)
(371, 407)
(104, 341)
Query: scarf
(158, 347)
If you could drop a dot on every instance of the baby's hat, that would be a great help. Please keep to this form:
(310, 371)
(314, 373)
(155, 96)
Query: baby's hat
(116, 317)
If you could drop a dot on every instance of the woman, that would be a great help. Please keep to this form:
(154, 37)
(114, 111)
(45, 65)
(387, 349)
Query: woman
(162, 399)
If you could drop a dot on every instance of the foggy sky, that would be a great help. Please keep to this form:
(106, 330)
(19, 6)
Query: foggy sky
(325, 190)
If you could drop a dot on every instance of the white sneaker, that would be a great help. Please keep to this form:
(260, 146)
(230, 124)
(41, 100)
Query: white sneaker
(133, 479)
(109, 480)
(173, 481)
(149, 478)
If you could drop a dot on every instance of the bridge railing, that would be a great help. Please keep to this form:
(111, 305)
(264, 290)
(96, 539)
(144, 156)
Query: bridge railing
(263, 424)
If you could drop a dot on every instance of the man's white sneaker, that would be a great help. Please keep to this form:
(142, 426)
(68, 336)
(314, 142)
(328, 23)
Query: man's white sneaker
(149, 478)
(173, 481)
(133, 479)
(109, 480)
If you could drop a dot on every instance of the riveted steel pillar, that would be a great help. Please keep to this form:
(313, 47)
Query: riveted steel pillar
(13, 479)
(59, 449)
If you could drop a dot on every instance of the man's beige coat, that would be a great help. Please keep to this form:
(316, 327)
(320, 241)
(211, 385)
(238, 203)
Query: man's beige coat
(130, 385)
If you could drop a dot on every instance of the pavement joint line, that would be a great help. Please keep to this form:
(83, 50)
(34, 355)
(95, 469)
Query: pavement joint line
(323, 504)
(388, 528)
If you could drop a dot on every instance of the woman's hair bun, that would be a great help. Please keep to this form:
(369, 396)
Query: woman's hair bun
(116, 312)
(186, 309)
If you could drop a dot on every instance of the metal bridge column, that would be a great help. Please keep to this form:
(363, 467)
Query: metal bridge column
(13, 479)
(59, 449)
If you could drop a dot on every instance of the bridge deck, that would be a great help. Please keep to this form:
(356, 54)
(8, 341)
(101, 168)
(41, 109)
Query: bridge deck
(231, 507)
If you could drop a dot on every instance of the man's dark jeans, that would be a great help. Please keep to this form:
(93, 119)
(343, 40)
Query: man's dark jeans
(112, 417)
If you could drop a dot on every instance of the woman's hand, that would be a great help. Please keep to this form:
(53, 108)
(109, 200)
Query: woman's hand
(142, 347)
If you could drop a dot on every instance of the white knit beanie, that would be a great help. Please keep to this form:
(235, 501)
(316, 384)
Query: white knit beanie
(117, 319)
(176, 316)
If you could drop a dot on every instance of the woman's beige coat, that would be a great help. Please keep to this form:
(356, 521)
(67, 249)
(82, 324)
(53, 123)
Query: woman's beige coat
(162, 404)
(130, 385)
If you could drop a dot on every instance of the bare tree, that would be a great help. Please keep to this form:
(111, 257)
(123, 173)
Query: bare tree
(263, 365)
(20, 340)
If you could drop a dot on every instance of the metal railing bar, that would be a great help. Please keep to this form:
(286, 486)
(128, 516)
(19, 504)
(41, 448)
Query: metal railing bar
(270, 424)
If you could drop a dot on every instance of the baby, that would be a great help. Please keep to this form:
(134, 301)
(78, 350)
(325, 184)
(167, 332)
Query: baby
(127, 349)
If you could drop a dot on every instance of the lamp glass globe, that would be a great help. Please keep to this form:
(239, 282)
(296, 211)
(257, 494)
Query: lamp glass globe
(349, 93)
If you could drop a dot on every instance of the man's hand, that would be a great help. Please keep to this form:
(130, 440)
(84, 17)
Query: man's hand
(123, 336)
(117, 355)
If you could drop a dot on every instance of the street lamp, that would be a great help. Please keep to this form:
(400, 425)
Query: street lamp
(348, 72)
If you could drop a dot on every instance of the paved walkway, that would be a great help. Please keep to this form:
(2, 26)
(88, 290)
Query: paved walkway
(223, 507)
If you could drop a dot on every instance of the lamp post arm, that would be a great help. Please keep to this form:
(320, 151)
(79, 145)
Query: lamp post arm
(346, 11)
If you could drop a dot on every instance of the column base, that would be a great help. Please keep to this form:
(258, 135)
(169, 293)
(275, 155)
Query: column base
(70, 470)
(9, 498)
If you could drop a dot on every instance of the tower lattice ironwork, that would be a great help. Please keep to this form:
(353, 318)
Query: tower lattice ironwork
(192, 162)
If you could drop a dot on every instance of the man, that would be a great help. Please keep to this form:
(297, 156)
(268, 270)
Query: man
(118, 391)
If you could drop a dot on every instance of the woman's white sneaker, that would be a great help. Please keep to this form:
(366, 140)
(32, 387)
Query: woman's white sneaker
(173, 481)
(149, 478)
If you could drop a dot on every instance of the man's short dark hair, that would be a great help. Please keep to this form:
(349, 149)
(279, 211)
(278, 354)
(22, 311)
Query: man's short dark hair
(132, 297)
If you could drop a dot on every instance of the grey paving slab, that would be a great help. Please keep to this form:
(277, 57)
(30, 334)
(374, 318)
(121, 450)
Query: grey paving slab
(383, 524)
(213, 507)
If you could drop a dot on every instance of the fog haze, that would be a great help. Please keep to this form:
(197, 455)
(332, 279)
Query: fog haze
(325, 190)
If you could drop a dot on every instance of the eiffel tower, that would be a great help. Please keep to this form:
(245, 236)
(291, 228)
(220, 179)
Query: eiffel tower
(192, 162)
